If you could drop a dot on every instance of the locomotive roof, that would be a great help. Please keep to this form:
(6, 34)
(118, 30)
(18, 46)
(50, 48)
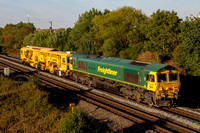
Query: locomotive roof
(125, 62)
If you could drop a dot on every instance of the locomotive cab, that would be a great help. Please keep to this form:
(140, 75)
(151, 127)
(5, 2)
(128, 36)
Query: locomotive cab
(167, 87)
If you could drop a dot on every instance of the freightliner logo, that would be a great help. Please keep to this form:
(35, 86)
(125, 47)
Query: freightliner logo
(107, 71)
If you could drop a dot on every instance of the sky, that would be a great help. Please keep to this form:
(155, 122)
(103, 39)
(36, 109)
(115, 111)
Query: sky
(64, 13)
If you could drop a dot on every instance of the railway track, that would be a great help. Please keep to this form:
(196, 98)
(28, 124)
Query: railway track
(134, 114)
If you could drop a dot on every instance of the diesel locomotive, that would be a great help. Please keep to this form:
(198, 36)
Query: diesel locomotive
(153, 83)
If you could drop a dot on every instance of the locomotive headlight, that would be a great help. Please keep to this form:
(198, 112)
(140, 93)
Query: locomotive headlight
(60, 69)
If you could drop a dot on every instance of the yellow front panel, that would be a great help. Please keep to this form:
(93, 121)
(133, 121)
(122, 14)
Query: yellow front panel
(167, 87)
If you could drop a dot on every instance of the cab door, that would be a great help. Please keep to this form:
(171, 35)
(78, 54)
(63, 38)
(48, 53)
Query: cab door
(151, 81)
(144, 78)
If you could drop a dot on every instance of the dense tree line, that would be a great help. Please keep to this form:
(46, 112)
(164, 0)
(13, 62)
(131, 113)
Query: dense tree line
(189, 49)
(126, 33)
(57, 39)
(13, 36)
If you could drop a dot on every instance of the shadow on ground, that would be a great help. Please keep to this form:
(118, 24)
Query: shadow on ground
(146, 127)
(60, 98)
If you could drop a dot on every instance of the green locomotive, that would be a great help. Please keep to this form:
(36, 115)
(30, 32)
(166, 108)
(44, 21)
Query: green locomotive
(152, 83)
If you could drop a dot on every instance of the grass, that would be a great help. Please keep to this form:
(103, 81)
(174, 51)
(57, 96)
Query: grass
(24, 107)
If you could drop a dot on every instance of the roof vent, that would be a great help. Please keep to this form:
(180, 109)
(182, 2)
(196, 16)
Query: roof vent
(139, 63)
(104, 57)
(93, 56)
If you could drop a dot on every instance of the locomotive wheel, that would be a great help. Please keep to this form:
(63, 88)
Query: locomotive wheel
(75, 78)
(90, 83)
(126, 96)
(124, 91)
(150, 103)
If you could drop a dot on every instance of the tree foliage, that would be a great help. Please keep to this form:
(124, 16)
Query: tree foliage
(79, 122)
(117, 32)
(13, 35)
(79, 35)
(58, 39)
(163, 31)
(189, 56)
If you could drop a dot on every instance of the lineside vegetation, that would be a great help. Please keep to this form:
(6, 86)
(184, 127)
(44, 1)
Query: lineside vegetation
(125, 32)
(25, 107)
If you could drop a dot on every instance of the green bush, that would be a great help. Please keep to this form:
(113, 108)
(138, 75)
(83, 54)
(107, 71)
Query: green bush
(79, 122)
(34, 81)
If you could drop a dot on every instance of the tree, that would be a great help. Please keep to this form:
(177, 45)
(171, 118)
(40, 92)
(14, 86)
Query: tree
(58, 39)
(79, 35)
(163, 31)
(37, 39)
(13, 35)
(189, 56)
(24, 29)
(8, 34)
(117, 32)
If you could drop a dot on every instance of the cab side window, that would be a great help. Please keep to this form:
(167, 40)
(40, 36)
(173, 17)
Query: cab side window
(63, 60)
(150, 78)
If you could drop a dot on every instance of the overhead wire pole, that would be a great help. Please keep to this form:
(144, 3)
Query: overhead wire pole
(50, 26)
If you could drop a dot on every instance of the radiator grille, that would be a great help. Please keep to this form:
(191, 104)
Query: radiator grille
(131, 77)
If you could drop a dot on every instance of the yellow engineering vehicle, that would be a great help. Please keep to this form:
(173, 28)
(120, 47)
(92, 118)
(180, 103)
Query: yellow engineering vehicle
(49, 59)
